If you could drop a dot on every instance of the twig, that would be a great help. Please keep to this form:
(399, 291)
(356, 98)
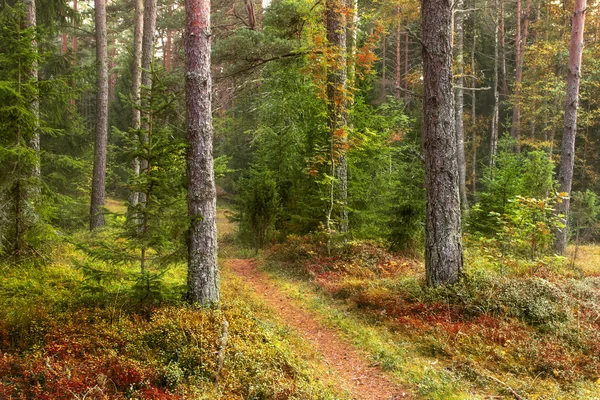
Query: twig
(221, 353)
(511, 390)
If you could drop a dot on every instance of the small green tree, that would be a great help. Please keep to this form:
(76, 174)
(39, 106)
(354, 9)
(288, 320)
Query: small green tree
(260, 206)
(19, 185)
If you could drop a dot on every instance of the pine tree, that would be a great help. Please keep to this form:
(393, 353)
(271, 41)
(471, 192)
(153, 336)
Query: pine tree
(203, 278)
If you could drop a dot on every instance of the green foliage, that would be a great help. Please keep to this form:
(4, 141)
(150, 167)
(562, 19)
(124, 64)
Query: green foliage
(526, 229)
(19, 123)
(259, 206)
(526, 174)
(583, 215)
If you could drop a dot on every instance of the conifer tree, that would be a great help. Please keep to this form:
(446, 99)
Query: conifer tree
(203, 280)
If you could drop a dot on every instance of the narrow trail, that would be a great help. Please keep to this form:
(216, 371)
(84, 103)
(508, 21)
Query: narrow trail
(348, 366)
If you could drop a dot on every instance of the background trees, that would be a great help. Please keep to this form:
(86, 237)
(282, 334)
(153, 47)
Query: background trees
(324, 99)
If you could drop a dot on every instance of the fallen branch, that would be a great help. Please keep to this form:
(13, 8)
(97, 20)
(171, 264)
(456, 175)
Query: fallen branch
(221, 353)
(511, 390)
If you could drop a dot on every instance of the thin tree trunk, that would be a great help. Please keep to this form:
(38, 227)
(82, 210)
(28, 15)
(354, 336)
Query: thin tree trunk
(99, 173)
(567, 154)
(496, 112)
(383, 63)
(521, 42)
(337, 87)
(168, 52)
(406, 66)
(146, 88)
(459, 18)
(203, 276)
(503, 48)
(398, 57)
(135, 87)
(474, 115)
(443, 246)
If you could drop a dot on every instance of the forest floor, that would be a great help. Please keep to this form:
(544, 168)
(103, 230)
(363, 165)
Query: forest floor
(355, 322)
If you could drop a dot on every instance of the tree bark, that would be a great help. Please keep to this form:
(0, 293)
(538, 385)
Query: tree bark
(443, 247)
(567, 153)
(459, 18)
(99, 173)
(496, 112)
(337, 100)
(135, 86)
(203, 277)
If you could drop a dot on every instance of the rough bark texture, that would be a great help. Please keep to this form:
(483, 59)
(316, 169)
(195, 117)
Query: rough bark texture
(443, 247)
(337, 88)
(99, 174)
(459, 18)
(136, 84)
(567, 153)
(203, 277)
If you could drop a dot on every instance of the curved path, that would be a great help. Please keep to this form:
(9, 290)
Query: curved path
(348, 367)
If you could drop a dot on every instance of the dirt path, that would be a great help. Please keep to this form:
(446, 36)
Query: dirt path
(347, 365)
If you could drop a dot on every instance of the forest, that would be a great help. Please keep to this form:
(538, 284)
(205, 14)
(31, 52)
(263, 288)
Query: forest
(299, 199)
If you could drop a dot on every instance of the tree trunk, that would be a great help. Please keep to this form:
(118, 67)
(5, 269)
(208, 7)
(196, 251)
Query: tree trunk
(521, 41)
(443, 247)
(398, 58)
(337, 99)
(99, 174)
(567, 153)
(406, 65)
(496, 112)
(135, 87)
(203, 276)
(34, 143)
(459, 18)
(146, 88)
(503, 47)
(473, 114)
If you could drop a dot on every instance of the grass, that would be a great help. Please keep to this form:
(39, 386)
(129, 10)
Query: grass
(532, 331)
(68, 332)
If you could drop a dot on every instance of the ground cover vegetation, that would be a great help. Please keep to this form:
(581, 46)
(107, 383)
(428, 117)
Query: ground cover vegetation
(435, 244)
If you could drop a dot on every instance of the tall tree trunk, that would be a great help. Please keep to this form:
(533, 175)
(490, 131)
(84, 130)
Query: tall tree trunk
(398, 57)
(459, 18)
(473, 113)
(521, 42)
(503, 48)
(496, 112)
(567, 153)
(406, 65)
(99, 173)
(34, 143)
(203, 276)
(135, 87)
(443, 246)
(168, 51)
(384, 63)
(337, 99)
(149, 30)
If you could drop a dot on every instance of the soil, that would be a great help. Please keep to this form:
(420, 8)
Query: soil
(348, 367)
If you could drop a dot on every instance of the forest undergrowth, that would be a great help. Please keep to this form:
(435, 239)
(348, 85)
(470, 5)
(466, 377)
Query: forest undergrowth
(517, 330)
(65, 334)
